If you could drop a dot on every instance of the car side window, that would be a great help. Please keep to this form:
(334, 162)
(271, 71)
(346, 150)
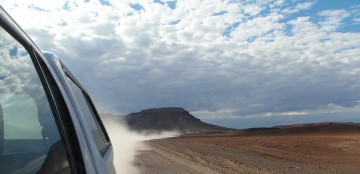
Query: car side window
(30, 141)
(90, 114)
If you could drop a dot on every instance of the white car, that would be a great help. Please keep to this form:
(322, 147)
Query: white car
(48, 123)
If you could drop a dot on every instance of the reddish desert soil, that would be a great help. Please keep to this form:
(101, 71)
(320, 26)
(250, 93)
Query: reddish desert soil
(233, 153)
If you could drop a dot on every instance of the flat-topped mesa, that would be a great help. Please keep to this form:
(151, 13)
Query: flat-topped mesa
(168, 119)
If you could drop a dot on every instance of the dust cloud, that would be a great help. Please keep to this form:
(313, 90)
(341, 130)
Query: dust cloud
(126, 142)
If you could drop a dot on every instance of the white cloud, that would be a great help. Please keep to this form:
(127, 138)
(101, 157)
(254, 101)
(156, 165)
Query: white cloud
(258, 26)
(299, 7)
(206, 114)
(252, 9)
(357, 20)
(333, 19)
(232, 114)
(269, 62)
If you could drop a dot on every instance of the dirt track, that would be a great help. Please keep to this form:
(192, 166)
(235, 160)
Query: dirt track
(227, 153)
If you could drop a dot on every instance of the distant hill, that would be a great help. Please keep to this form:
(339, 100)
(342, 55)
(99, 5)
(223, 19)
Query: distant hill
(310, 128)
(168, 119)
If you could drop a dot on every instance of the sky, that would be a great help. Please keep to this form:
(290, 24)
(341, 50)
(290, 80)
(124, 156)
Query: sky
(235, 63)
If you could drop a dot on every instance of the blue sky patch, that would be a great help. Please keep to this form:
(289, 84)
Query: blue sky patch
(219, 13)
(159, 2)
(137, 7)
(62, 23)
(174, 22)
(170, 4)
(333, 5)
(129, 14)
(230, 28)
(36, 8)
(105, 2)
(349, 26)
(251, 39)
(288, 30)
(66, 6)
(13, 51)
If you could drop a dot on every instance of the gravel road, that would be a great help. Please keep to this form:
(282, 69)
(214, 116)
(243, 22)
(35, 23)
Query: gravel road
(233, 155)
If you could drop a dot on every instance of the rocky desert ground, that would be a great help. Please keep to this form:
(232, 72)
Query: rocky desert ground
(231, 152)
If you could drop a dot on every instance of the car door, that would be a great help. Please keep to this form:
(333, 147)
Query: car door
(36, 131)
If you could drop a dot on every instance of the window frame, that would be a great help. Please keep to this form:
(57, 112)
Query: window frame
(94, 114)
